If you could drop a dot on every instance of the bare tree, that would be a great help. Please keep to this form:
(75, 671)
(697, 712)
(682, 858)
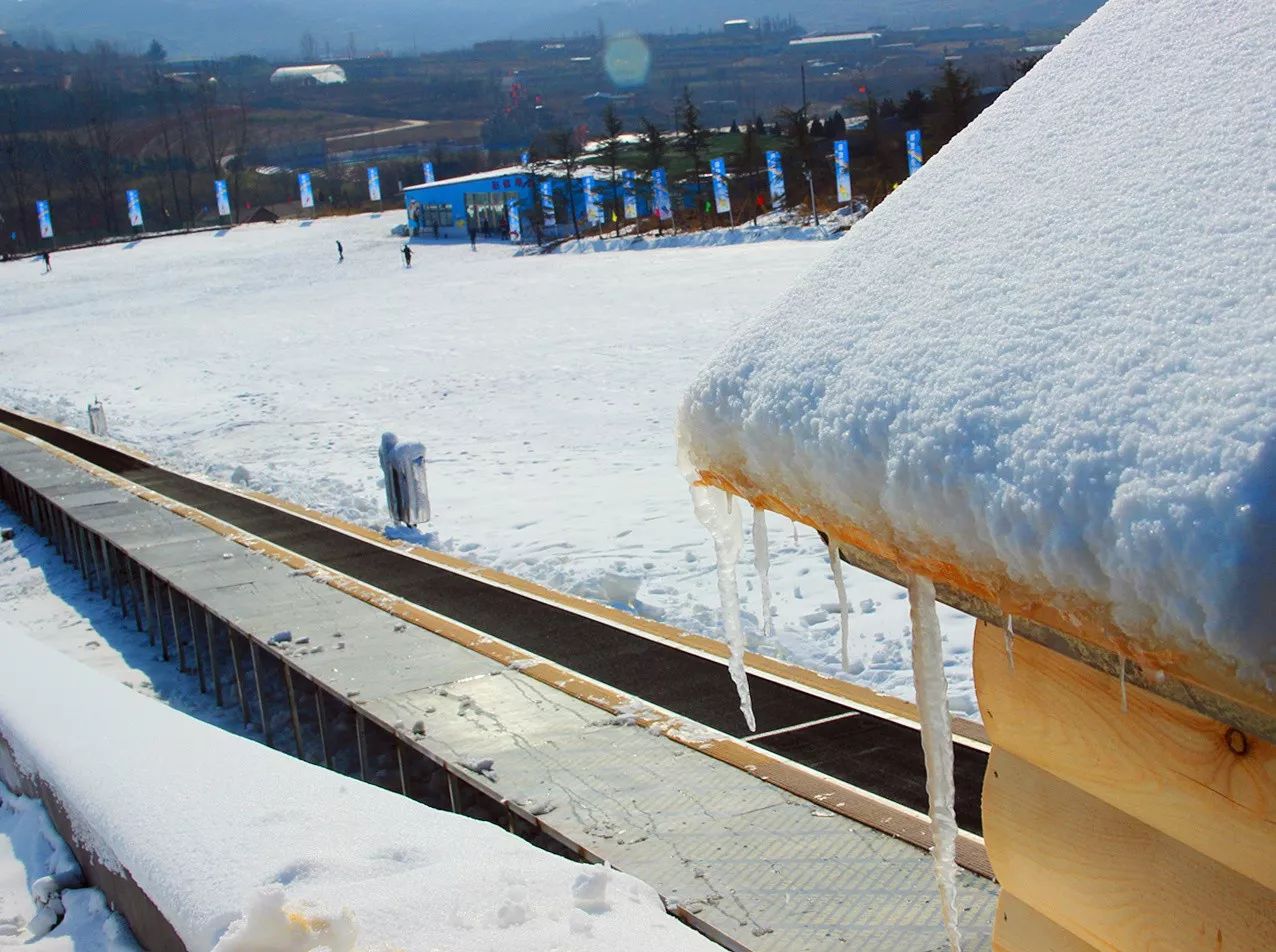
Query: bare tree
(309, 48)
(242, 129)
(566, 149)
(99, 106)
(160, 105)
(11, 149)
(751, 158)
(206, 119)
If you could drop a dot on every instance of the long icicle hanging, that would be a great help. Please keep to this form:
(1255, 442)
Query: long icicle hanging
(716, 513)
(937, 745)
(762, 563)
(839, 581)
(1010, 640)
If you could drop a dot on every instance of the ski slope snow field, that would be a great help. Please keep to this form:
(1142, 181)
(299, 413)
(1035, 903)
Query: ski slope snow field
(544, 388)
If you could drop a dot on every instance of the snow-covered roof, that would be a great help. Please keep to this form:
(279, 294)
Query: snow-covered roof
(1045, 367)
(835, 38)
(549, 168)
(326, 74)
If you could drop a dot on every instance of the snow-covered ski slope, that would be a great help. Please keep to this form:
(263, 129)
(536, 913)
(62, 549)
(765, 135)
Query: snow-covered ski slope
(544, 388)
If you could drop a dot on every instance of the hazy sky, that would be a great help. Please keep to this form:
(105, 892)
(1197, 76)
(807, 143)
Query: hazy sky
(275, 27)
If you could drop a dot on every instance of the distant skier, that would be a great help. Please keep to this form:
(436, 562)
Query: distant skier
(48, 264)
(341, 253)
(473, 236)
(407, 257)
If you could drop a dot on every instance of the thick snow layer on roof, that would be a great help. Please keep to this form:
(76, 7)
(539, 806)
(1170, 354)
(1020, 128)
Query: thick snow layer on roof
(244, 848)
(1048, 357)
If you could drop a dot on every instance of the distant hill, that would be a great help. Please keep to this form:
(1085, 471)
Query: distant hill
(191, 28)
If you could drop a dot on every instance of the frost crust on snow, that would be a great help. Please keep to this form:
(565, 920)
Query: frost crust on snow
(244, 848)
(1051, 355)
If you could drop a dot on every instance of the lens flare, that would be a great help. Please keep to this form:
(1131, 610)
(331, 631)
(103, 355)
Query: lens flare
(627, 60)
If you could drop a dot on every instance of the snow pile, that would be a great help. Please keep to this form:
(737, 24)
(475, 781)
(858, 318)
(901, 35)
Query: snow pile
(407, 497)
(244, 848)
(742, 234)
(1049, 359)
(41, 903)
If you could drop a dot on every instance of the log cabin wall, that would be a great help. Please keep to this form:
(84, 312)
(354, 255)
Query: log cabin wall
(1120, 825)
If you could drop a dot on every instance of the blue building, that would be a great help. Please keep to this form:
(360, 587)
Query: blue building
(450, 205)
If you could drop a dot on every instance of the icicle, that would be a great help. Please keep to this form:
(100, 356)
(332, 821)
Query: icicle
(835, 560)
(762, 562)
(937, 745)
(716, 514)
(1010, 640)
(1125, 707)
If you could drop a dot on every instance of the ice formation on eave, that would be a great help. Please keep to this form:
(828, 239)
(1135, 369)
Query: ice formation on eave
(1050, 357)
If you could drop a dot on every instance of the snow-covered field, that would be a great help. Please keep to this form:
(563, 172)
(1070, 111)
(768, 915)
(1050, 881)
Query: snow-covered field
(544, 387)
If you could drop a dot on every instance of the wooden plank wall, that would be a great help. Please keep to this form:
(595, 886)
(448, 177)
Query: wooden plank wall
(1149, 828)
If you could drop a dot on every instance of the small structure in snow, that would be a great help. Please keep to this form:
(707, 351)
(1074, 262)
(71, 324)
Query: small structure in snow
(319, 74)
(407, 496)
(97, 419)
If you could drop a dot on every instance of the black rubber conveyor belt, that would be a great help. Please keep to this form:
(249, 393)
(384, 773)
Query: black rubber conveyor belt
(870, 752)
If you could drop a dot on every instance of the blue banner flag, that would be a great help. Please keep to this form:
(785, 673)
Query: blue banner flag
(374, 184)
(629, 186)
(525, 158)
(516, 220)
(134, 207)
(593, 211)
(223, 198)
(660, 195)
(547, 204)
(307, 193)
(842, 161)
(721, 193)
(775, 177)
(428, 168)
(46, 220)
(914, 139)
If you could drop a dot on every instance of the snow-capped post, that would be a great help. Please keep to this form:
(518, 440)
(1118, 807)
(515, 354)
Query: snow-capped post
(406, 493)
(97, 419)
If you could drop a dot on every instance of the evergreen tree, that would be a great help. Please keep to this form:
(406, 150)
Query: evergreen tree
(954, 100)
(612, 128)
(156, 53)
(835, 128)
(913, 107)
(759, 126)
(693, 139)
(652, 146)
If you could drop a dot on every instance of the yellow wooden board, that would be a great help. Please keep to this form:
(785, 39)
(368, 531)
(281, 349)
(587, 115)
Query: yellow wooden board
(1110, 879)
(1190, 777)
(1020, 928)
